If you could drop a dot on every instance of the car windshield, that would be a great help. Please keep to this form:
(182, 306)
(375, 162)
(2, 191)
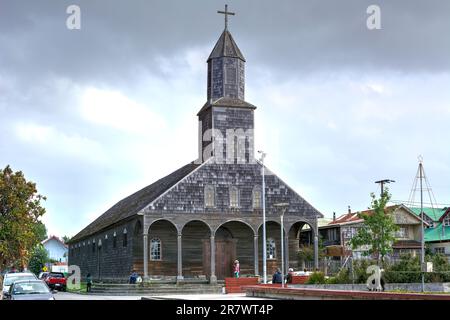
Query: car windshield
(9, 280)
(29, 288)
(56, 275)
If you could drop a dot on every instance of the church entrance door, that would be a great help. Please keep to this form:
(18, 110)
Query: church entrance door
(225, 256)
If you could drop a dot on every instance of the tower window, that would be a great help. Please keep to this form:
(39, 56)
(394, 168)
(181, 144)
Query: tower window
(155, 249)
(209, 196)
(234, 197)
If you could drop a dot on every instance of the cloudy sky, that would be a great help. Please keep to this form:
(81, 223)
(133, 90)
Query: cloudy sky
(93, 115)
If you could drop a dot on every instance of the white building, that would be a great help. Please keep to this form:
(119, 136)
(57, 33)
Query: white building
(56, 249)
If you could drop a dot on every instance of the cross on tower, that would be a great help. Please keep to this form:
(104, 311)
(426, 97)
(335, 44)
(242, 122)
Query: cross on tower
(226, 13)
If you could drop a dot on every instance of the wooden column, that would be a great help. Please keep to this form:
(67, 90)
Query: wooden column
(213, 278)
(286, 259)
(256, 254)
(180, 257)
(145, 237)
(316, 246)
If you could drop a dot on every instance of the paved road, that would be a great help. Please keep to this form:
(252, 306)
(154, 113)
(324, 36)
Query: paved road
(75, 296)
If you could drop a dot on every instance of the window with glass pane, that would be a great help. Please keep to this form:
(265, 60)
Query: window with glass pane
(271, 249)
(209, 196)
(257, 203)
(234, 197)
(447, 221)
(155, 249)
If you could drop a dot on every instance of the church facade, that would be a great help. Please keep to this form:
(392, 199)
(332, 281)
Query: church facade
(196, 221)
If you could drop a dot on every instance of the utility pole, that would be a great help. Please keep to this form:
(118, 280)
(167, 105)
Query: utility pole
(422, 258)
(283, 207)
(264, 245)
(382, 182)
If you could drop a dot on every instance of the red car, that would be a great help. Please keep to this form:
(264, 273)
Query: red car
(56, 281)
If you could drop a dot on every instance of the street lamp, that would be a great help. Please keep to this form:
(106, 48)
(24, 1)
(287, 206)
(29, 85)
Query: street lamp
(283, 207)
(263, 155)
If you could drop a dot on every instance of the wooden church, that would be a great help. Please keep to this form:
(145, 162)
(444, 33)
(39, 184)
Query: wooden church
(196, 221)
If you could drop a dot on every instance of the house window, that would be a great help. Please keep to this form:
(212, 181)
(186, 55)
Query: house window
(257, 198)
(447, 221)
(125, 238)
(155, 249)
(234, 197)
(209, 196)
(402, 233)
(271, 249)
(439, 250)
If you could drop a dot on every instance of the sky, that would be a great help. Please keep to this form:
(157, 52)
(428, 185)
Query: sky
(95, 114)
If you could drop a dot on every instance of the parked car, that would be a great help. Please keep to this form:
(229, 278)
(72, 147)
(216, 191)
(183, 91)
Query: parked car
(29, 290)
(10, 278)
(43, 275)
(56, 280)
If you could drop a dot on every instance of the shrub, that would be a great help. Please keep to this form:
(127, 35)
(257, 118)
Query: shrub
(316, 278)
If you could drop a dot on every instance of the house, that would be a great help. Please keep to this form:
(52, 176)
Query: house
(437, 233)
(336, 235)
(56, 248)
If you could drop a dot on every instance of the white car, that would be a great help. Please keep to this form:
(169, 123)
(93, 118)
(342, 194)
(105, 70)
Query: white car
(9, 279)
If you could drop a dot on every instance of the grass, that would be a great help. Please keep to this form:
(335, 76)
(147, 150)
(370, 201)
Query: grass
(81, 290)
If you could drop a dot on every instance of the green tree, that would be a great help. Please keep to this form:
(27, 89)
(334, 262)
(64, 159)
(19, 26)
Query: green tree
(39, 258)
(378, 230)
(40, 231)
(20, 211)
(66, 239)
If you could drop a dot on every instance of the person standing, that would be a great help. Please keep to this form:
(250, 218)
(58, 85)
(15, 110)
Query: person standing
(236, 268)
(88, 282)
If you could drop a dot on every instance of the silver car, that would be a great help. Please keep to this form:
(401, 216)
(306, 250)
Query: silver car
(9, 279)
(29, 290)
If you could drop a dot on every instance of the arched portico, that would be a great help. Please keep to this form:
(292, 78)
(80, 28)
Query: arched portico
(297, 238)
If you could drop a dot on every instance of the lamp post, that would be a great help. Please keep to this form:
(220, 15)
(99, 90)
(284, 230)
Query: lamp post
(283, 207)
(263, 155)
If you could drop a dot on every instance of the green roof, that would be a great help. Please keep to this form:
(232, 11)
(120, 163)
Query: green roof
(437, 233)
(434, 213)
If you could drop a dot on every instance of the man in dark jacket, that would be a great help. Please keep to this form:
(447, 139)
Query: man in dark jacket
(277, 277)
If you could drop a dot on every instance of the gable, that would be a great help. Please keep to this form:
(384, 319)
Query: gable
(188, 195)
(404, 216)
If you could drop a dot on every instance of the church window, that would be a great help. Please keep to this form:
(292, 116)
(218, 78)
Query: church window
(257, 198)
(234, 197)
(209, 196)
(155, 249)
(114, 240)
(271, 249)
(447, 221)
(93, 246)
(125, 238)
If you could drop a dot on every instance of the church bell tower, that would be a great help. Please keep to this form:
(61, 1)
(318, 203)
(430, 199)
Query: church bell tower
(226, 112)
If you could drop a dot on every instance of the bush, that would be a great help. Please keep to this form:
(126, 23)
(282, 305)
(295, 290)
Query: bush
(316, 278)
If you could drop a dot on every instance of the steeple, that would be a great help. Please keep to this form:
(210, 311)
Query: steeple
(226, 117)
(226, 67)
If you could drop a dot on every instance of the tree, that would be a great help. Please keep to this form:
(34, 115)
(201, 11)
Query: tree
(378, 230)
(66, 239)
(20, 211)
(40, 231)
(38, 259)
